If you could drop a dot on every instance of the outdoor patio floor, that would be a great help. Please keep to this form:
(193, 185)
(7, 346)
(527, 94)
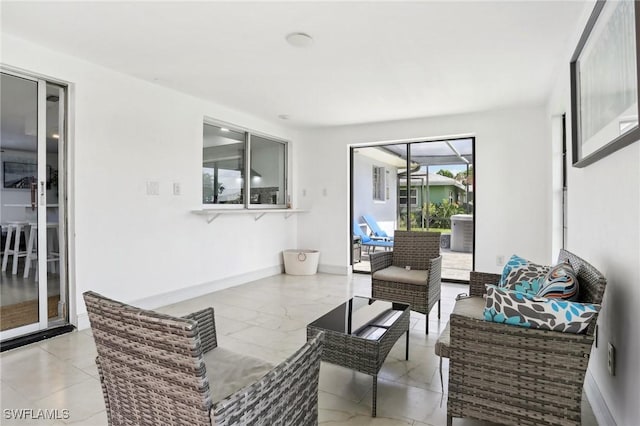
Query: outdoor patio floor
(455, 265)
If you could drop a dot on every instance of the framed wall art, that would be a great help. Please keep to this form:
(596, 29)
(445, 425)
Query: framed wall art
(604, 82)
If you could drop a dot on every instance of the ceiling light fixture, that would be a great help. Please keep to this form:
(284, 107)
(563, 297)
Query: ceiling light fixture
(224, 129)
(299, 39)
(55, 136)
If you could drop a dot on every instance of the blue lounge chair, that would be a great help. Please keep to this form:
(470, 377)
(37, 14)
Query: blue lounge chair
(367, 241)
(378, 233)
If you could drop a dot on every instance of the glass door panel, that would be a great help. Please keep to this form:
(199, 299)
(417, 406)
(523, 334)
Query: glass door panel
(53, 250)
(31, 242)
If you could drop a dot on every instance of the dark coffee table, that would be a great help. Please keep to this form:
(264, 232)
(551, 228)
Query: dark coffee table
(359, 334)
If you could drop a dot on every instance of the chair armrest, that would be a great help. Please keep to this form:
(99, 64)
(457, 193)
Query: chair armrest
(380, 260)
(288, 394)
(435, 269)
(529, 367)
(206, 328)
(477, 281)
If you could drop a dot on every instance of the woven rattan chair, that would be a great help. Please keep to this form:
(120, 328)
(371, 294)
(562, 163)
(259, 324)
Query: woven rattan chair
(514, 375)
(420, 285)
(153, 372)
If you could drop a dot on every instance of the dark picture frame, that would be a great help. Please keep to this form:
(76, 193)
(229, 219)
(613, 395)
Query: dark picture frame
(18, 175)
(602, 78)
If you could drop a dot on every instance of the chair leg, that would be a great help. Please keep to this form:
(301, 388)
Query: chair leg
(16, 250)
(439, 302)
(441, 381)
(7, 248)
(426, 318)
(30, 256)
(449, 420)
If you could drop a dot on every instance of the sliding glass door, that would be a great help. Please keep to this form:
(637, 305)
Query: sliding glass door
(417, 186)
(34, 283)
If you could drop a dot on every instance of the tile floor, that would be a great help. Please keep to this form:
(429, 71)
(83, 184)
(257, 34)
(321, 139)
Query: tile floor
(267, 319)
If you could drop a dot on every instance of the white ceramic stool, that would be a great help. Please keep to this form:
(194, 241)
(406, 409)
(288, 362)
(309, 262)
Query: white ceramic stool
(32, 247)
(16, 229)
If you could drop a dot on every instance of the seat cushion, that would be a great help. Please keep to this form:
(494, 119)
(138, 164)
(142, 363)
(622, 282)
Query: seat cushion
(401, 275)
(472, 307)
(229, 371)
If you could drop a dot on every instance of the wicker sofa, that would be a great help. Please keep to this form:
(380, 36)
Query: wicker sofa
(157, 369)
(514, 375)
(419, 286)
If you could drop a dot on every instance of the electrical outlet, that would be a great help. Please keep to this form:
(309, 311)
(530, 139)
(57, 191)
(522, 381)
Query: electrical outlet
(324, 192)
(500, 260)
(176, 188)
(612, 360)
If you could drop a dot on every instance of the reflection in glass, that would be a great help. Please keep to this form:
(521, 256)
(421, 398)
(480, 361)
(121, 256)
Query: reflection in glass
(18, 142)
(268, 171)
(223, 159)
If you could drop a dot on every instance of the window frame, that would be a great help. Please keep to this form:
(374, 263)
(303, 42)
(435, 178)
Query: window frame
(246, 176)
(379, 178)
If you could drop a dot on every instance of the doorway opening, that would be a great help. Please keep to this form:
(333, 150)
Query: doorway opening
(417, 186)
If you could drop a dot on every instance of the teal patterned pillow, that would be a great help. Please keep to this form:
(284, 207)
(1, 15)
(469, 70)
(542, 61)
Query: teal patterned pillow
(516, 308)
(519, 274)
(561, 282)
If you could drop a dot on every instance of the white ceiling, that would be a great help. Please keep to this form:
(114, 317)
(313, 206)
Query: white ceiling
(370, 61)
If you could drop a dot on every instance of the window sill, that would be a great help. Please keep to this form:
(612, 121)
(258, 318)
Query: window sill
(213, 214)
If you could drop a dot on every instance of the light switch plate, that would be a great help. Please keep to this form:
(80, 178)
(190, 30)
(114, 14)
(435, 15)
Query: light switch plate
(153, 187)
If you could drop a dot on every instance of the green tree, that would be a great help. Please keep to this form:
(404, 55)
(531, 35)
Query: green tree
(440, 214)
(465, 177)
(446, 173)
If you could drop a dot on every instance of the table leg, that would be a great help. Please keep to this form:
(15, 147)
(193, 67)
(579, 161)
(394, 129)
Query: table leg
(407, 355)
(375, 395)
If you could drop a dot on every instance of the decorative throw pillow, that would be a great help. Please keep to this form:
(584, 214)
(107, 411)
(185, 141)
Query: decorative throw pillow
(516, 308)
(561, 282)
(519, 274)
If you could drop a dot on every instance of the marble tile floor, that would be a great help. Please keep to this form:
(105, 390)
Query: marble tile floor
(266, 319)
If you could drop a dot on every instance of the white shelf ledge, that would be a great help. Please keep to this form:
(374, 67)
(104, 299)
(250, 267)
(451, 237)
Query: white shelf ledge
(213, 214)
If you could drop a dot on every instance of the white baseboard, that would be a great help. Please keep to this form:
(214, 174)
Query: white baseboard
(598, 405)
(176, 296)
(334, 269)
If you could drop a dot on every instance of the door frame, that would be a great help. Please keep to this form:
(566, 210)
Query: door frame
(408, 143)
(23, 334)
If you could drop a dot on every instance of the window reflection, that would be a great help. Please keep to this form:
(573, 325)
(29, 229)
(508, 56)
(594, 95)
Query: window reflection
(268, 171)
(222, 166)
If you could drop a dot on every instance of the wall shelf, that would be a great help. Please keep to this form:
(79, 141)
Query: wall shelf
(213, 214)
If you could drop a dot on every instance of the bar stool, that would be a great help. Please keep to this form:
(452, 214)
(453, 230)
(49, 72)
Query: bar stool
(32, 248)
(14, 228)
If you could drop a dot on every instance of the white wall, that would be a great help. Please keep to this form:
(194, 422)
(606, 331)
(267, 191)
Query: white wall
(363, 203)
(512, 177)
(125, 132)
(604, 228)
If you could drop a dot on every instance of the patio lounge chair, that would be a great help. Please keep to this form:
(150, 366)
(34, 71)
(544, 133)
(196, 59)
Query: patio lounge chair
(369, 242)
(157, 369)
(411, 273)
(378, 233)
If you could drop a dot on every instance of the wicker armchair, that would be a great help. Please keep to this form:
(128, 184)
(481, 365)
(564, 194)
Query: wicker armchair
(514, 375)
(419, 286)
(152, 370)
